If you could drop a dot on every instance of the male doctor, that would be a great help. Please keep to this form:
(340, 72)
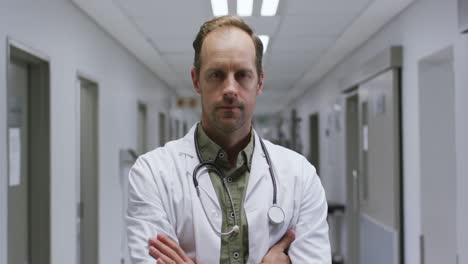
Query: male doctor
(258, 203)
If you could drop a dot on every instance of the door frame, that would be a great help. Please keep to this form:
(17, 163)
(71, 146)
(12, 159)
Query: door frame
(353, 243)
(32, 56)
(82, 76)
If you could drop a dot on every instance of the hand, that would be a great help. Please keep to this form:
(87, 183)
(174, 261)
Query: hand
(277, 253)
(166, 251)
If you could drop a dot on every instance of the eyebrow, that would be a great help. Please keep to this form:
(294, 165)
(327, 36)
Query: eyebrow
(216, 68)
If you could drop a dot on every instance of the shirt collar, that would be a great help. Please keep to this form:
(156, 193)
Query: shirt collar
(209, 150)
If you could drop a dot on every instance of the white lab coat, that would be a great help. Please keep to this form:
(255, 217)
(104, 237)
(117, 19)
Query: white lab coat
(162, 199)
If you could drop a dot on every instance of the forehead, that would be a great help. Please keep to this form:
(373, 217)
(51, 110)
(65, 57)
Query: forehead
(228, 44)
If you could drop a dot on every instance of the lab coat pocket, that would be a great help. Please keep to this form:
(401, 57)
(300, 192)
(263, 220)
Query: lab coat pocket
(257, 220)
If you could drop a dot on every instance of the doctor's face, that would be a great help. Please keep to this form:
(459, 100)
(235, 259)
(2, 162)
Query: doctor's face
(228, 82)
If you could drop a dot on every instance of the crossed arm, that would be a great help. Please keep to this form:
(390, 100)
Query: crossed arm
(166, 251)
(146, 214)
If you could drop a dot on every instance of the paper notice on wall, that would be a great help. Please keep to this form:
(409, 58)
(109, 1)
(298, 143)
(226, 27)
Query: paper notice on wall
(14, 156)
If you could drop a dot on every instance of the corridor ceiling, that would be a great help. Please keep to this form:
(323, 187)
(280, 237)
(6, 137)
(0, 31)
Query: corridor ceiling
(307, 38)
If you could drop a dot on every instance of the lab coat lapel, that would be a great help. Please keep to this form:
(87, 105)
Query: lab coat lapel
(258, 171)
(191, 161)
(257, 198)
(207, 242)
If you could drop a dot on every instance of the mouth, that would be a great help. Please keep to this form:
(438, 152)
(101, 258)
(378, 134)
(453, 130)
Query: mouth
(229, 107)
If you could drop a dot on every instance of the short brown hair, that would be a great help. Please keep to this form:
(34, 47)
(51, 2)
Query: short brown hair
(226, 21)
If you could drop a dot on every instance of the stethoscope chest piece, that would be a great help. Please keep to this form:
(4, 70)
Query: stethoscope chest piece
(276, 215)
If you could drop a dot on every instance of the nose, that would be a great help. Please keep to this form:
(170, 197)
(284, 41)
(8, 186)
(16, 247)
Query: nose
(230, 88)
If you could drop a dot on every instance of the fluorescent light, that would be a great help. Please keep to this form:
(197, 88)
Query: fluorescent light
(244, 7)
(220, 7)
(269, 7)
(265, 39)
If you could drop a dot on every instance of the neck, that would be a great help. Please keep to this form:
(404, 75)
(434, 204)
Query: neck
(232, 143)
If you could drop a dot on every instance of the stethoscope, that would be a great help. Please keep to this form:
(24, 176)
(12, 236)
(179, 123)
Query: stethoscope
(275, 213)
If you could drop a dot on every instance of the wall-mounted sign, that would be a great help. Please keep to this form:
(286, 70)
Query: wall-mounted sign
(187, 102)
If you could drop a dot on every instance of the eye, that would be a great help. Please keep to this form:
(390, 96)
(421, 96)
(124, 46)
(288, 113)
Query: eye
(216, 75)
(243, 75)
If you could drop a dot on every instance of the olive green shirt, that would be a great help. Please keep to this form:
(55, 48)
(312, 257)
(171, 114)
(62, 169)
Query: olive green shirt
(234, 247)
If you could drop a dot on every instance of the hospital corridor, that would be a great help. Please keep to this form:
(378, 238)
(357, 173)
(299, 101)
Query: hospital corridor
(372, 93)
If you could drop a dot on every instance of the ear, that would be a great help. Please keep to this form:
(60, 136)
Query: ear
(260, 83)
(195, 80)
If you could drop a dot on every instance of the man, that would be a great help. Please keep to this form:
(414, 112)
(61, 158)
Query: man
(180, 212)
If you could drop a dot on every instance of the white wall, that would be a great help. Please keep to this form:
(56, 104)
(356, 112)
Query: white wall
(423, 28)
(72, 42)
(437, 142)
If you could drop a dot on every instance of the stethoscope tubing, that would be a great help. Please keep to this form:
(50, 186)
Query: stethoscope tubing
(211, 166)
(270, 168)
(207, 165)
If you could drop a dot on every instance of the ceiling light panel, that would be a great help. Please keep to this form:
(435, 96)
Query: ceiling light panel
(219, 7)
(244, 7)
(269, 7)
(265, 40)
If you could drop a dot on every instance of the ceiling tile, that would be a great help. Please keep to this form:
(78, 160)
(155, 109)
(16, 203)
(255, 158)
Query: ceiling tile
(179, 11)
(306, 25)
(167, 18)
(301, 43)
(264, 25)
(320, 17)
(331, 8)
(158, 30)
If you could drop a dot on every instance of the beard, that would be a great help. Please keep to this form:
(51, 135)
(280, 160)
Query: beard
(228, 115)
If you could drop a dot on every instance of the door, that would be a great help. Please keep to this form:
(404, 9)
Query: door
(352, 165)
(296, 141)
(18, 194)
(314, 141)
(177, 128)
(87, 215)
(28, 158)
(185, 128)
(380, 175)
(162, 129)
(127, 158)
(142, 128)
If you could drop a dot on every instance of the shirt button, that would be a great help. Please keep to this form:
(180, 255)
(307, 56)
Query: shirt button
(229, 179)
(236, 255)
